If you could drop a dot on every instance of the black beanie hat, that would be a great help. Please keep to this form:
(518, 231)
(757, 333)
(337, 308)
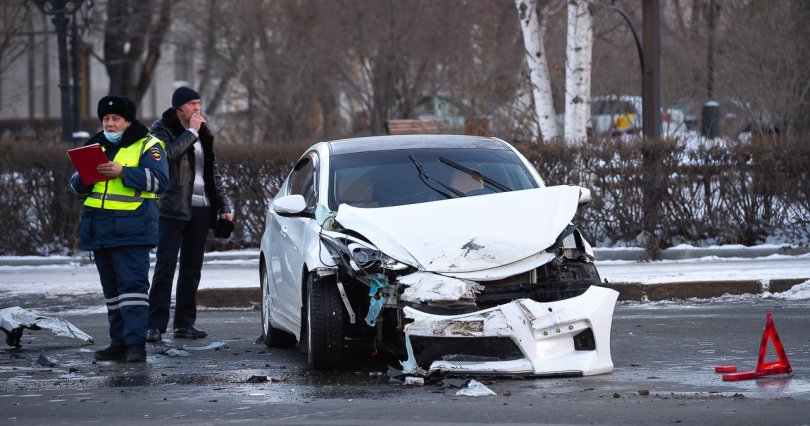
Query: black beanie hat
(120, 105)
(182, 95)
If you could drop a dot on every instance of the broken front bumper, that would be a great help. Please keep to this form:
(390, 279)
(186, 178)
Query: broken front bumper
(570, 336)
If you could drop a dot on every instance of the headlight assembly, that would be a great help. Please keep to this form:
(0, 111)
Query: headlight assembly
(359, 256)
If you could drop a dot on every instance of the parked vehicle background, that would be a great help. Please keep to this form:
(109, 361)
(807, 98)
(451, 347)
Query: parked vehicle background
(620, 115)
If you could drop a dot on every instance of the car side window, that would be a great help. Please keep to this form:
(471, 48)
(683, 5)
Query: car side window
(302, 181)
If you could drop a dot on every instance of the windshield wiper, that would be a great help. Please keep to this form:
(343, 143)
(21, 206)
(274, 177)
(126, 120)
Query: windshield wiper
(475, 174)
(425, 177)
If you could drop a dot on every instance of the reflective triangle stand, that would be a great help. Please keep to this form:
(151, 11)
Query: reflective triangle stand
(763, 368)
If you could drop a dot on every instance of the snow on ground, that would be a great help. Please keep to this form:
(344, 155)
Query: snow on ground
(20, 275)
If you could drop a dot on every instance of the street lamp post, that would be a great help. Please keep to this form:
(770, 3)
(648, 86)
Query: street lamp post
(59, 11)
(650, 69)
(710, 124)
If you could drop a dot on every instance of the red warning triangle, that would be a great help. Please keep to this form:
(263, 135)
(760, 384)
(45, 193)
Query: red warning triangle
(763, 368)
(777, 367)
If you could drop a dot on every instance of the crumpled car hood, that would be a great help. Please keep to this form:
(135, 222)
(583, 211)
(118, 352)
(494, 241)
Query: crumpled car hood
(468, 234)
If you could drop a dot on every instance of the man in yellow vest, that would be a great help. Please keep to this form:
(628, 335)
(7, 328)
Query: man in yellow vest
(120, 222)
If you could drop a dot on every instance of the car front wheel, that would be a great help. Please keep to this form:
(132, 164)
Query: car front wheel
(324, 309)
(272, 337)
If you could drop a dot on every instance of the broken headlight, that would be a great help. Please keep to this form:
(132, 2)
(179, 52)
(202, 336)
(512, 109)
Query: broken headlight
(359, 256)
(371, 259)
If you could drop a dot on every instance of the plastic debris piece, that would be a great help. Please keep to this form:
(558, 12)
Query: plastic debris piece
(15, 318)
(725, 369)
(414, 381)
(453, 383)
(257, 379)
(409, 366)
(213, 345)
(44, 361)
(174, 352)
(324, 217)
(378, 282)
(476, 388)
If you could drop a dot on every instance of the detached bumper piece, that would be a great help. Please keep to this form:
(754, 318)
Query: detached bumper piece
(522, 337)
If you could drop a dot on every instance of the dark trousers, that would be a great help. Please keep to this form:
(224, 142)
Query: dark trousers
(187, 238)
(124, 274)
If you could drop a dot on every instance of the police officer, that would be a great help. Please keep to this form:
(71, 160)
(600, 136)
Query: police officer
(119, 222)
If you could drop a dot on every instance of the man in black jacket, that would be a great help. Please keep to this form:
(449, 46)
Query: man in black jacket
(194, 199)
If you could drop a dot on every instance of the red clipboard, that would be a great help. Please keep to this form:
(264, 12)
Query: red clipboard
(86, 159)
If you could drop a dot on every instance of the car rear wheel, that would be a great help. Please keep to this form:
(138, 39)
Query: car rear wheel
(272, 337)
(324, 334)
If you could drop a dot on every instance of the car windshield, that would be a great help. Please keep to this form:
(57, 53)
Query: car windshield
(411, 176)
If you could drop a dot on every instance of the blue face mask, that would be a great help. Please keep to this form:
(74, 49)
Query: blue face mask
(113, 137)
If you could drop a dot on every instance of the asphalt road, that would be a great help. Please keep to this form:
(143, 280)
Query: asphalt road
(664, 356)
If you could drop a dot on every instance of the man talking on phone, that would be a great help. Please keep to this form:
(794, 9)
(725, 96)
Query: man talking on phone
(195, 198)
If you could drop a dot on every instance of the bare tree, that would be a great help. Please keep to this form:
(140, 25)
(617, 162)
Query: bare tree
(578, 70)
(13, 18)
(133, 37)
(764, 64)
(533, 15)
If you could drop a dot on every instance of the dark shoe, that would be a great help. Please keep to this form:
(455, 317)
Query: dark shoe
(189, 333)
(136, 353)
(153, 335)
(111, 353)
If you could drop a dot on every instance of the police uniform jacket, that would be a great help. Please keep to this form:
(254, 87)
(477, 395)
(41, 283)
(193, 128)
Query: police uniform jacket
(105, 226)
(176, 203)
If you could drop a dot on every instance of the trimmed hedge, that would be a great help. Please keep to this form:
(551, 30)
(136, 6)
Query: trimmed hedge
(650, 194)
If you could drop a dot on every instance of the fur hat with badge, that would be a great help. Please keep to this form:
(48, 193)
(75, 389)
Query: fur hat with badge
(120, 105)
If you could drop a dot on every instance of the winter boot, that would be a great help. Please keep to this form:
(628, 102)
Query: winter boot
(111, 353)
(136, 352)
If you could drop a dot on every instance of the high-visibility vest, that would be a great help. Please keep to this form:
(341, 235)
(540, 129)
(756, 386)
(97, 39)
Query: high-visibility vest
(112, 194)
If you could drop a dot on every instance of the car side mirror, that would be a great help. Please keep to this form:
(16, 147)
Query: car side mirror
(291, 205)
(584, 196)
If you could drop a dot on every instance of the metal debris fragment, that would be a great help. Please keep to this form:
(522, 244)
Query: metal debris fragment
(14, 319)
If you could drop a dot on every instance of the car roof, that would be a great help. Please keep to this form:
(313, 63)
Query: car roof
(387, 143)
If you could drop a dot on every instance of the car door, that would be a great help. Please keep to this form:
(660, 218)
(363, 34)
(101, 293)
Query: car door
(287, 249)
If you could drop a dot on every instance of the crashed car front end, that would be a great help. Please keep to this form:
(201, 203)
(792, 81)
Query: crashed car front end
(536, 314)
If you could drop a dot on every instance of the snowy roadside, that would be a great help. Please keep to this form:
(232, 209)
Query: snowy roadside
(679, 252)
(231, 279)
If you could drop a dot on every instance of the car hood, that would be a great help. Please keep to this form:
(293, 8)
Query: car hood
(468, 234)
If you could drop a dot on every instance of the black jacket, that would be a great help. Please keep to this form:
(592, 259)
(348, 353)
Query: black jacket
(176, 203)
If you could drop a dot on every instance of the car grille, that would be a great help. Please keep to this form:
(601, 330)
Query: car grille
(463, 350)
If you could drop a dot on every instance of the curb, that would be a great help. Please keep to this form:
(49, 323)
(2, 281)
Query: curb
(251, 297)
(699, 289)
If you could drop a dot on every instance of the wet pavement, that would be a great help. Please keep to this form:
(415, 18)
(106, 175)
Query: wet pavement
(664, 356)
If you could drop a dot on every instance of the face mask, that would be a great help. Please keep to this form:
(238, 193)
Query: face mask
(113, 137)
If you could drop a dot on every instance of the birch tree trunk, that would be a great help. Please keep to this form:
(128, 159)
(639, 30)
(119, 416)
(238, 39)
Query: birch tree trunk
(533, 26)
(578, 71)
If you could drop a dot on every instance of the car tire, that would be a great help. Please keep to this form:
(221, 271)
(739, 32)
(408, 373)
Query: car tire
(324, 333)
(272, 337)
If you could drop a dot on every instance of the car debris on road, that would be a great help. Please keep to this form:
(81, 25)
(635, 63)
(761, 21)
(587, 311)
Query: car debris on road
(14, 319)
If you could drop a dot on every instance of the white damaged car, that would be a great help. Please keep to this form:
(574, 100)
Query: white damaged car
(447, 250)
